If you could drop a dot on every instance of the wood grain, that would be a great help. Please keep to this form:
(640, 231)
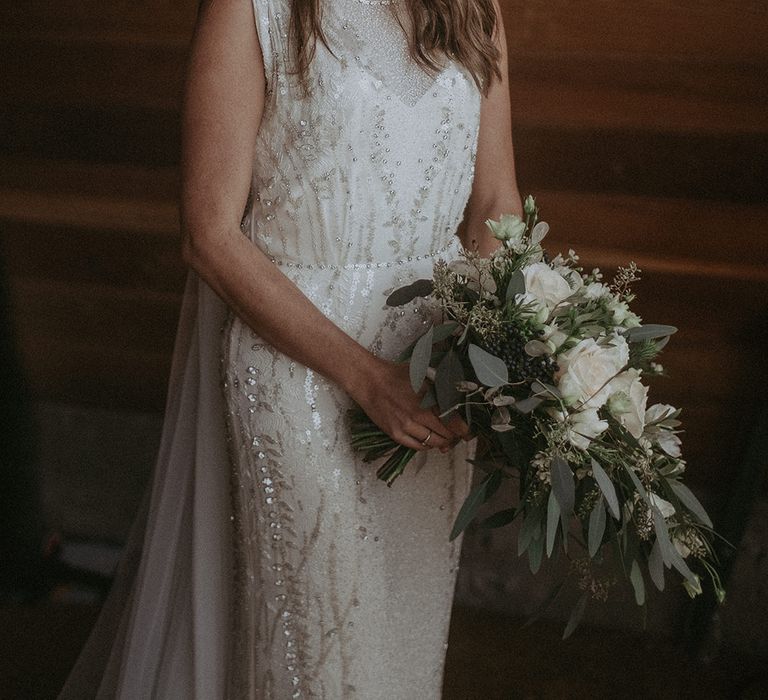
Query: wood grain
(641, 129)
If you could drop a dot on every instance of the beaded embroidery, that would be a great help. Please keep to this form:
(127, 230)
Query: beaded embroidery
(358, 185)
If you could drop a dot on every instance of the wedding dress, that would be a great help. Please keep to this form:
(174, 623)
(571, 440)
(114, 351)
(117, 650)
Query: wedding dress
(269, 561)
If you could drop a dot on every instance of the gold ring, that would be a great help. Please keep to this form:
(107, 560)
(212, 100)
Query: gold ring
(426, 439)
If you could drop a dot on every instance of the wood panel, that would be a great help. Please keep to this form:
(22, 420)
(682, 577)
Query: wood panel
(655, 28)
(642, 129)
(76, 71)
(136, 19)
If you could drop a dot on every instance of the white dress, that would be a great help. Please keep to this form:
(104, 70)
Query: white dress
(328, 584)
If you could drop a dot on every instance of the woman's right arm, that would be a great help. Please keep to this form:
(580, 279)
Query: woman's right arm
(223, 105)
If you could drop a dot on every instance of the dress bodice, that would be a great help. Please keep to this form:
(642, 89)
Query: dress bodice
(373, 162)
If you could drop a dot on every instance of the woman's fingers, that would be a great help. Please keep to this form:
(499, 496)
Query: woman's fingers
(441, 435)
(409, 441)
(458, 426)
(434, 434)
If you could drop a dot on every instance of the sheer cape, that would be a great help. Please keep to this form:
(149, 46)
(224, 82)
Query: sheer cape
(163, 629)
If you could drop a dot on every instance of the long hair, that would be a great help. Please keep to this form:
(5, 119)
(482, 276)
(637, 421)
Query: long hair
(464, 30)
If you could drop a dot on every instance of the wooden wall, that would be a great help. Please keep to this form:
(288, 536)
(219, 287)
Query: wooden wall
(642, 130)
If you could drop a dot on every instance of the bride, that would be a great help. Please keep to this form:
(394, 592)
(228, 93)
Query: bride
(268, 561)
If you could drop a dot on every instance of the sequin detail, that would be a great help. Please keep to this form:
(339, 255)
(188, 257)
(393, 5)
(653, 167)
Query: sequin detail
(342, 587)
(362, 265)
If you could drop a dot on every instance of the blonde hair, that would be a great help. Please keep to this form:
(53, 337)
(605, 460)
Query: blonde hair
(464, 30)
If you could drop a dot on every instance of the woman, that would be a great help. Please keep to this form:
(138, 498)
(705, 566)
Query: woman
(357, 131)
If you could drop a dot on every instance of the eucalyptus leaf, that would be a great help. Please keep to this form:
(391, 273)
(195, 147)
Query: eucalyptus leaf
(448, 374)
(662, 537)
(649, 332)
(422, 352)
(636, 578)
(476, 498)
(503, 400)
(500, 519)
(539, 387)
(563, 487)
(406, 354)
(535, 554)
(671, 552)
(596, 527)
(640, 488)
(490, 370)
(607, 487)
(529, 404)
(656, 566)
(576, 615)
(530, 530)
(463, 337)
(553, 521)
(405, 295)
(444, 330)
(516, 285)
(429, 399)
(690, 501)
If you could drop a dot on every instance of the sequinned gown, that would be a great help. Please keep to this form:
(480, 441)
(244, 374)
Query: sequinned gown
(343, 586)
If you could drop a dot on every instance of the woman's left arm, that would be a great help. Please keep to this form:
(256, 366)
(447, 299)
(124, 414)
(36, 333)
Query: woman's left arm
(494, 191)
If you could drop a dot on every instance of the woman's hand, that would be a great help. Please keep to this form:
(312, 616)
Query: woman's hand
(389, 401)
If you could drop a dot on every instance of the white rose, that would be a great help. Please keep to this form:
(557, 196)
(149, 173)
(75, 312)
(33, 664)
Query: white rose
(627, 398)
(587, 367)
(545, 284)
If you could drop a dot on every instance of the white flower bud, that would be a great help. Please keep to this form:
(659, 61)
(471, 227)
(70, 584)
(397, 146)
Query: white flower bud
(529, 206)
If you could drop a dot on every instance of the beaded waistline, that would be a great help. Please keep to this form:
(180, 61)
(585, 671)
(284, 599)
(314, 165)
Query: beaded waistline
(361, 265)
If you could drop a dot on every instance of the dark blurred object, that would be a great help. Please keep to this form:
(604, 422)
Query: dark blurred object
(21, 527)
(735, 518)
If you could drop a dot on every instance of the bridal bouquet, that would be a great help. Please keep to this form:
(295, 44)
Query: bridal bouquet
(546, 365)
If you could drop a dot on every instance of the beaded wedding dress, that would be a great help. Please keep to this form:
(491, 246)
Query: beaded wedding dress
(269, 561)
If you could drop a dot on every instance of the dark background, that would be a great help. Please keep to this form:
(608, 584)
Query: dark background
(643, 131)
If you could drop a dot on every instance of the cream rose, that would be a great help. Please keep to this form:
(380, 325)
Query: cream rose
(586, 368)
(546, 285)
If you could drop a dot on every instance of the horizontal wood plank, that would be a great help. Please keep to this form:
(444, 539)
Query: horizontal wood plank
(730, 29)
(730, 167)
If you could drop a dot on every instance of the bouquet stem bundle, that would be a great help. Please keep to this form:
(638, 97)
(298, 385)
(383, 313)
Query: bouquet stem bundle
(546, 364)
